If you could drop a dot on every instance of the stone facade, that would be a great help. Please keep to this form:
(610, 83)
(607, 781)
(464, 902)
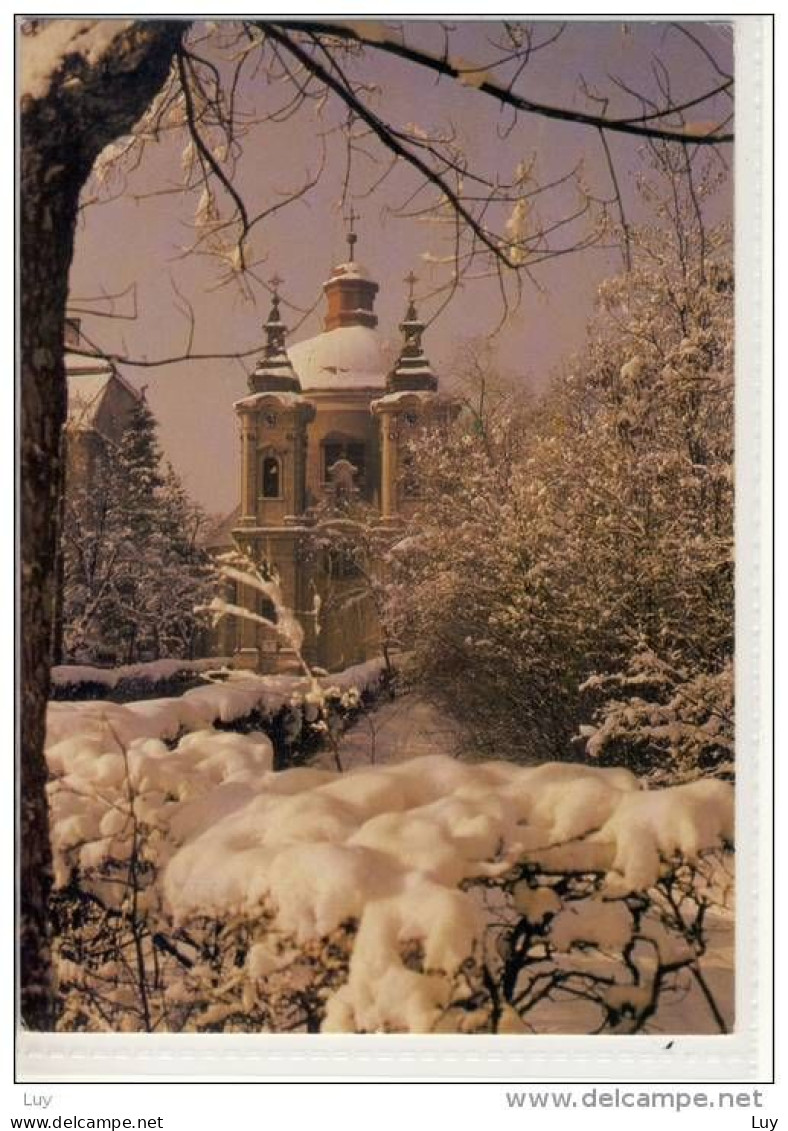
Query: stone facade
(324, 432)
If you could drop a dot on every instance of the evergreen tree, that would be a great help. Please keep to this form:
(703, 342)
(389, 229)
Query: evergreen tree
(133, 569)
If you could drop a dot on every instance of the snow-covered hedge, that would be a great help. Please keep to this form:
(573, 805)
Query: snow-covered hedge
(129, 681)
(232, 697)
(199, 889)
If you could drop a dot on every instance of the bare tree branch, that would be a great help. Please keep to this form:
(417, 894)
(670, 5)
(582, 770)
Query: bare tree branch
(443, 66)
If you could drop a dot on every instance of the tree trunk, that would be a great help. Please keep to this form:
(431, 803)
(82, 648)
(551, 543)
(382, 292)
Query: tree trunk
(87, 106)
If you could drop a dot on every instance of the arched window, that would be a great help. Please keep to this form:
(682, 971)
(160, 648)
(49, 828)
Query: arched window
(354, 451)
(271, 478)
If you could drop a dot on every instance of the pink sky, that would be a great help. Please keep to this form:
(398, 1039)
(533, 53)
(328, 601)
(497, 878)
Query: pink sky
(141, 241)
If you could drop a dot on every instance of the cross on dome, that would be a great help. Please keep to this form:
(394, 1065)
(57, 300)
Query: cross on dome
(352, 236)
(411, 317)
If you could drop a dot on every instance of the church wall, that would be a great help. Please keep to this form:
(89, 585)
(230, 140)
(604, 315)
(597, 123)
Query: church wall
(349, 632)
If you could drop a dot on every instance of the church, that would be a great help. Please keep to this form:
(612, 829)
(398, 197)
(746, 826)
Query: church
(325, 431)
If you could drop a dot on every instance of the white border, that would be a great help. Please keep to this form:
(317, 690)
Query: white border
(744, 1056)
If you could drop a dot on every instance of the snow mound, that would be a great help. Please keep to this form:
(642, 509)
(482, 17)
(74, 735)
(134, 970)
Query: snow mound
(383, 852)
(348, 357)
(100, 790)
(389, 846)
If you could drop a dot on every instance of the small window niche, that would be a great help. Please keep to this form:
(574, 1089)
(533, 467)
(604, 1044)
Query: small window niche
(271, 477)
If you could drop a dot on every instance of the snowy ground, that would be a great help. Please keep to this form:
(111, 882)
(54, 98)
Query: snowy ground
(412, 726)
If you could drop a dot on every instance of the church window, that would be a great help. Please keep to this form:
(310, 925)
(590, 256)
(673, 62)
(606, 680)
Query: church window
(353, 451)
(271, 478)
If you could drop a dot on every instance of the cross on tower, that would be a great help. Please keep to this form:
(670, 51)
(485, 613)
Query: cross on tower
(274, 330)
(411, 280)
(352, 237)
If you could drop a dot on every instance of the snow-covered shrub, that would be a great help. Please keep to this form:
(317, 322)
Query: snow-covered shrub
(663, 721)
(110, 806)
(130, 681)
(200, 890)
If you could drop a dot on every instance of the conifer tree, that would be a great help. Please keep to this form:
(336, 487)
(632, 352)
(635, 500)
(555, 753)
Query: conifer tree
(134, 570)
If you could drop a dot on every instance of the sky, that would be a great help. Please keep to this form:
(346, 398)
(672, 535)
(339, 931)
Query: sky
(139, 235)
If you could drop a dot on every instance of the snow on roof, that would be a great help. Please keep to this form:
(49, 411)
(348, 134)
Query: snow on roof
(421, 396)
(78, 364)
(221, 533)
(88, 379)
(85, 395)
(284, 399)
(349, 357)
(351, 270)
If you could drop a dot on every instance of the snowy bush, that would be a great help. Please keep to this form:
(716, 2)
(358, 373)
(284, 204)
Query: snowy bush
(546, 554)
(128, 682)
(198, 889)
(664, 721)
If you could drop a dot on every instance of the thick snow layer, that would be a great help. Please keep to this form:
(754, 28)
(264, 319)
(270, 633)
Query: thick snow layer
(405, 396)
(283, 400)
(351, 270)
(156, 671)
(196, 709)
(99, 788)
(43, 54)
(349, 357)
(387, 848)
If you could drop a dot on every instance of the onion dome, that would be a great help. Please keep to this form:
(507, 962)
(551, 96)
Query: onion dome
(412, 370)
(274, 373)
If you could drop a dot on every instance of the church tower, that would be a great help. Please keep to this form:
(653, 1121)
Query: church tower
(273, 424)
(411, 405)
(342, 369)
(326, 429)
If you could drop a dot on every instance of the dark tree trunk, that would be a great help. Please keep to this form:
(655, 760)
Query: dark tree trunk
(62, 133)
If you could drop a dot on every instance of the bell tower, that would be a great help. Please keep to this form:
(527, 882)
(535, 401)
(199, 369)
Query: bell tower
(273, 420)
(411, 405)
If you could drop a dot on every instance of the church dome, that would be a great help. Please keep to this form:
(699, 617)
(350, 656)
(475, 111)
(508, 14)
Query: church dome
(350, 353)
(348, 357)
